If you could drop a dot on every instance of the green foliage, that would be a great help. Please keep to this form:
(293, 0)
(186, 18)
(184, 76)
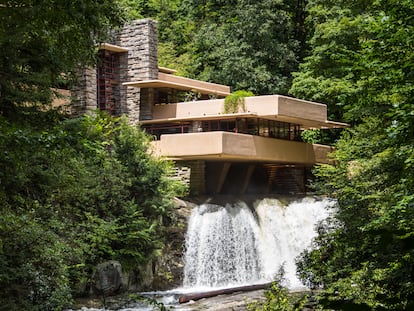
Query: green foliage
(43, 42)
(169, 57)
(32, 275)
(321, 136)
(74, 193)
(235, 102)
(278, 298)
(246, 44)
(364, 255)
(149, 301)
(361, 63)
(252, 45)
(326, 75)
(311, 136)
(137, 9)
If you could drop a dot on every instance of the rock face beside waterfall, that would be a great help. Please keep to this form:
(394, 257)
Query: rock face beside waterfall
(169, 267)
(108, 279)
(165, 272)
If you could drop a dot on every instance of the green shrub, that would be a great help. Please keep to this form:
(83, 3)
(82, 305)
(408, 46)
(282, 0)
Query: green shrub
(74, 193)
(278, 298)
(235, 102)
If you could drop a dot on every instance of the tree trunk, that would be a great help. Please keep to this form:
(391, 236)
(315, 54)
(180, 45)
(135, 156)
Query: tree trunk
(224, 291)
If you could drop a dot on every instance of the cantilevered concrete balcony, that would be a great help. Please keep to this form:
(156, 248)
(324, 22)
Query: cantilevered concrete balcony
(233, 147)
(272, 107)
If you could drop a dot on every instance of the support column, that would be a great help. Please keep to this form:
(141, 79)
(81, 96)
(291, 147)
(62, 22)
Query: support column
(248, 175)
(298, 175)
(196, 127)
(222, 177)
(84, 94)
(197, 178)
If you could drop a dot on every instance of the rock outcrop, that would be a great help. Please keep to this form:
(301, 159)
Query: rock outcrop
(108, 279)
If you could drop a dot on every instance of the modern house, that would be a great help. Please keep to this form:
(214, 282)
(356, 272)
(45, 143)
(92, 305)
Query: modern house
(255, 149)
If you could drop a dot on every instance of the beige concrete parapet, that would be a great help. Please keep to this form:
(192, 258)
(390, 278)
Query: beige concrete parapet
(238, 147)
(272, 107)
(323, 154)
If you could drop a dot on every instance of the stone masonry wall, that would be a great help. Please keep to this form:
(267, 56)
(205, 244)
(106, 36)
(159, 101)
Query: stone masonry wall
(139, 63)
(193, 174)
(84, 94)
(182, 172)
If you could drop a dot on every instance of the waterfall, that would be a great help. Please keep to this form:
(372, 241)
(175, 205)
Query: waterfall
(235, 244)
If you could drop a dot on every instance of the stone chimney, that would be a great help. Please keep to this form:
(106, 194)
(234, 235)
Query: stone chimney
(140, 37)
(139, 63)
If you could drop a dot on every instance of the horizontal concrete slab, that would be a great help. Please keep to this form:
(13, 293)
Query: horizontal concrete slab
(272, 107)
(239, 147)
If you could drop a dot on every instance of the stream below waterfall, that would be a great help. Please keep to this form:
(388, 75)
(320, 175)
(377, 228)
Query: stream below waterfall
(239, 243)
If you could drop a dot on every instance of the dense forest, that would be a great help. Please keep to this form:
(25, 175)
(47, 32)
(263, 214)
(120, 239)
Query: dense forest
(74, 192)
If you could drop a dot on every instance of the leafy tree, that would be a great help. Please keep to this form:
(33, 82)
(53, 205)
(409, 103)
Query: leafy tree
(246, 44)
(71, 197)
(73, 192)
(253, 45)
(361, 61)
(328, 74)
(42, 42)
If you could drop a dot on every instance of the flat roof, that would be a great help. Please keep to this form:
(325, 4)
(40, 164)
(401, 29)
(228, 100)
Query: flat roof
(166, 70)
(112, 48)
(166, 80)
(174, 85)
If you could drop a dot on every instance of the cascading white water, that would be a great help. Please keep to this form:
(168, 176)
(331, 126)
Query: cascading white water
(221, 246)
(232, 245)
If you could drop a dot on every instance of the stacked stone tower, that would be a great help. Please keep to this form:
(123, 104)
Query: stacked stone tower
(134, 57)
